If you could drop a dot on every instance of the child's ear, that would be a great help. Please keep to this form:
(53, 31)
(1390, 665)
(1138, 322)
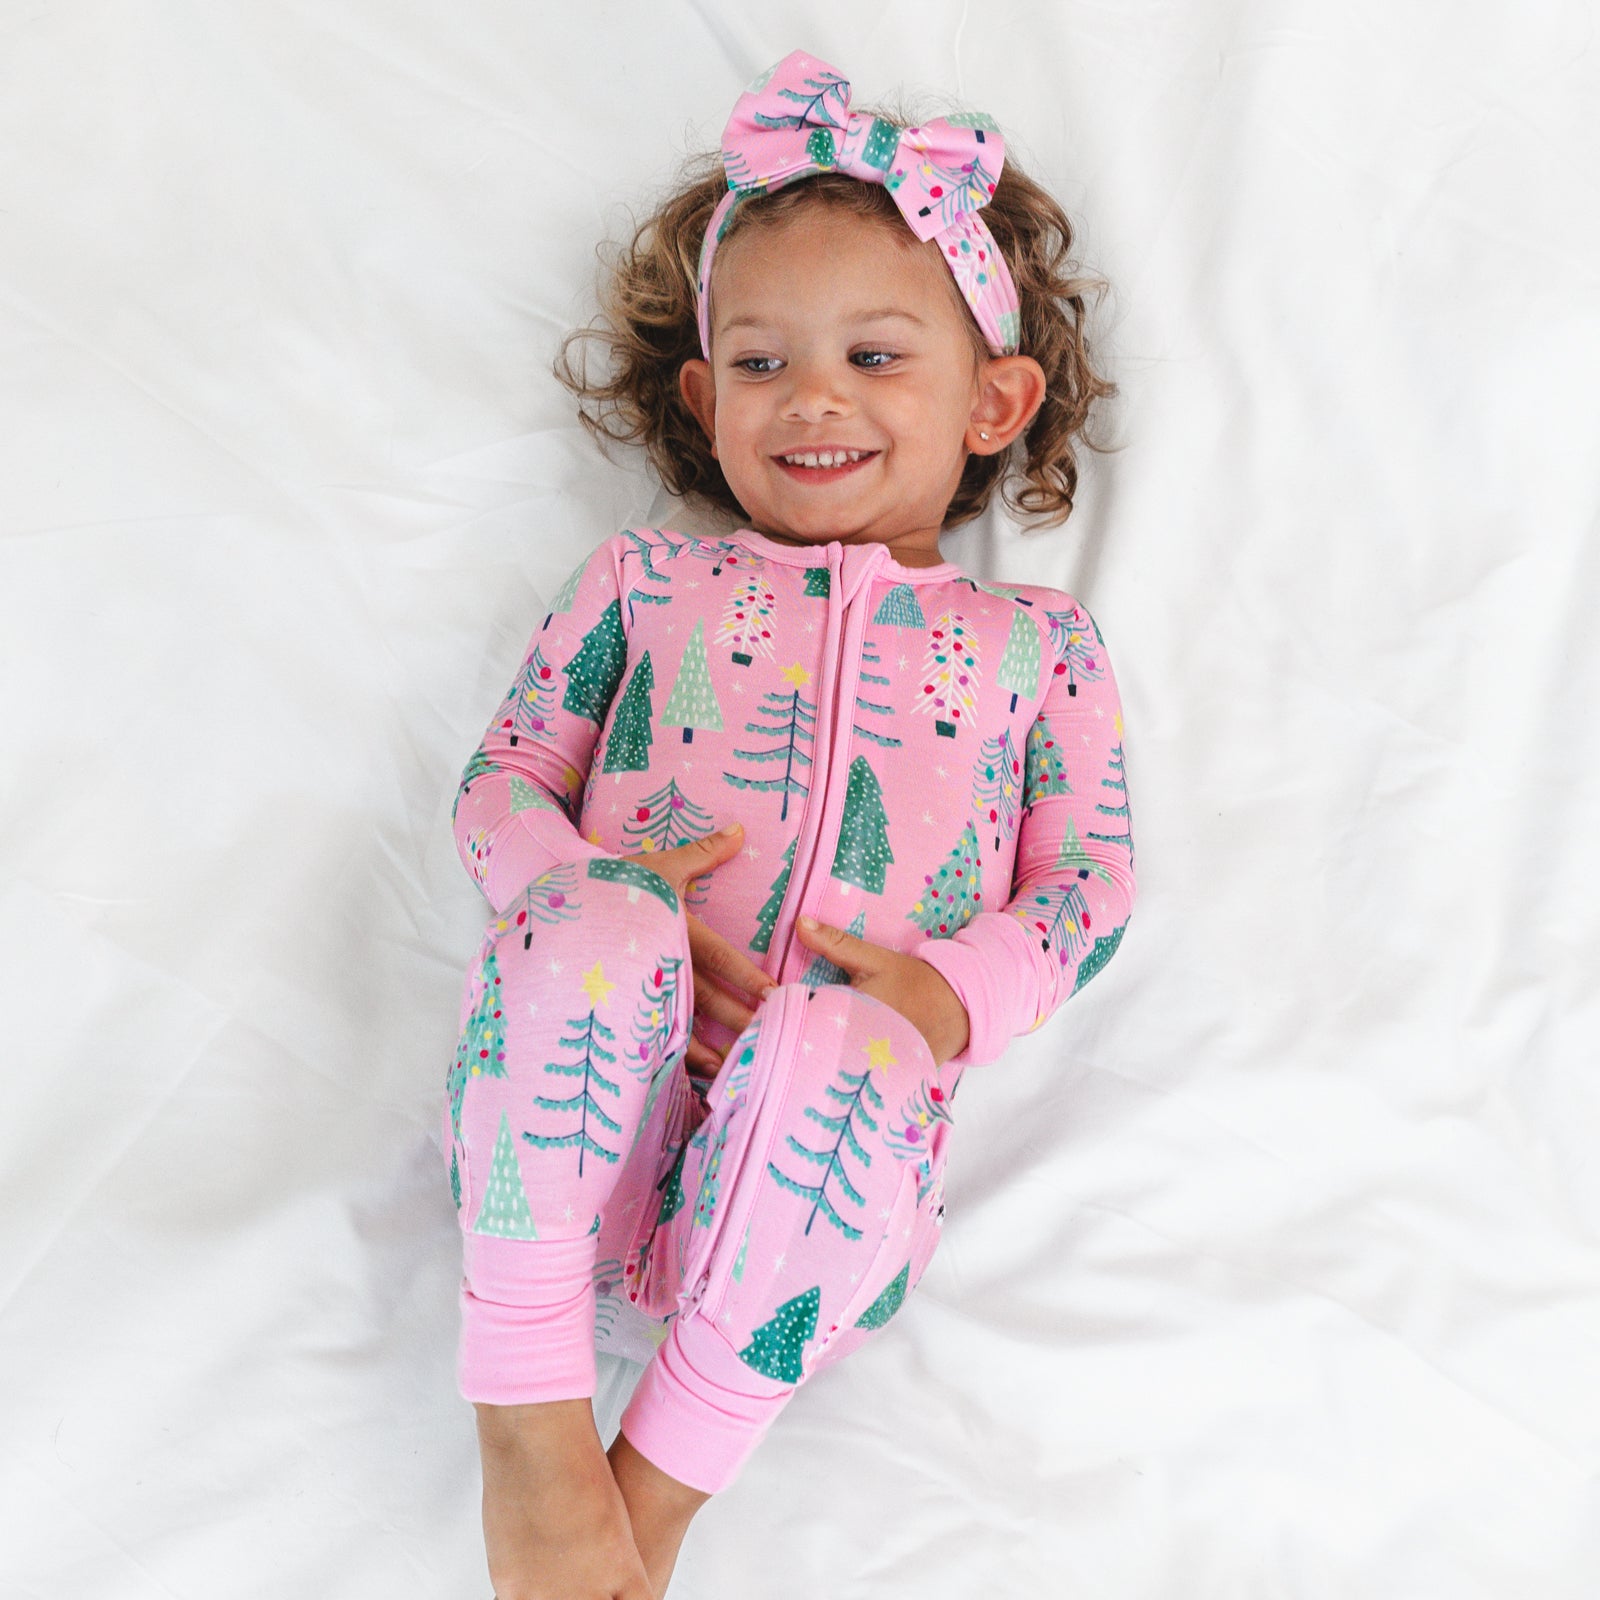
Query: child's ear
(700, 395)
(1010, 391)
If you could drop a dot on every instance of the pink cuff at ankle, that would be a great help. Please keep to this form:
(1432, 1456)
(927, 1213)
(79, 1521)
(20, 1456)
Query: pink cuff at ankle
(698, 1411)
(527, 1320)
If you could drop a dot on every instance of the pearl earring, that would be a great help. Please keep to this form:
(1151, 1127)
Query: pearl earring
(982, 434)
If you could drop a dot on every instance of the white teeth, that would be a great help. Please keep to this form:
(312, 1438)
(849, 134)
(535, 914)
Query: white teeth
(826, 458)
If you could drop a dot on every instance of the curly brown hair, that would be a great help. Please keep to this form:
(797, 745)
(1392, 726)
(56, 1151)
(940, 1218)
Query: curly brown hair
(648, 327)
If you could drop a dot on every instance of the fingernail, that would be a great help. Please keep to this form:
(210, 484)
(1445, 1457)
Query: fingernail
(730, 830)
(808, 923)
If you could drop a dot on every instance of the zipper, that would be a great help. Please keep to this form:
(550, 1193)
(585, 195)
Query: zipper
(844, 674)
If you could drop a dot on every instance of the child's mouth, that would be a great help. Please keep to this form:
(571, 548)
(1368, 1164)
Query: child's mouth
(821, 474)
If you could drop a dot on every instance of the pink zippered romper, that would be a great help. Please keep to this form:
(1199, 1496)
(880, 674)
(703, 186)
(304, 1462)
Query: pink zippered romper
(929, 762)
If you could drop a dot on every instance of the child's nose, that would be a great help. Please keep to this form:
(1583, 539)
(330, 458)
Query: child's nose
(817, 390)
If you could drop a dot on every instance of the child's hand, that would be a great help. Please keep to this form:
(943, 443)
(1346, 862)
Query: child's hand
(721, 970)
(915, 989)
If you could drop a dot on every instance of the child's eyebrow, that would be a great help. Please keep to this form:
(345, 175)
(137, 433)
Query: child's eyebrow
(750, 321)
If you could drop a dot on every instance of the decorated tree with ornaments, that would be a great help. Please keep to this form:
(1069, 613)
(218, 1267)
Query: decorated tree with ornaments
(949, 691)
(529, 707)
(1044, 765)
(746, 625)
(664, 820)
(954, 894)
(997, 783)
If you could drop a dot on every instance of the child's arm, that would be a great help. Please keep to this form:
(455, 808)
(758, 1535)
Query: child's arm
(522, 792)
(1072, 885)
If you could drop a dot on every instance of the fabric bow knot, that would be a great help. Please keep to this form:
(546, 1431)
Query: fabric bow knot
(795, 121)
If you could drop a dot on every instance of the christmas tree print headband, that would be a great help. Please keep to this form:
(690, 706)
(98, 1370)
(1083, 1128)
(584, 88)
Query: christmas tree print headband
(795, 121)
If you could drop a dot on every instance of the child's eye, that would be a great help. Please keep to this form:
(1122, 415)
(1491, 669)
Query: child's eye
(749, 363)
(871, 357)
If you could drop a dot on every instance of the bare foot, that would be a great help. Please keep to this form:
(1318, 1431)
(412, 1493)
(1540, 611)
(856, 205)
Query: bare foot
(555, 1526)
(660, 1509)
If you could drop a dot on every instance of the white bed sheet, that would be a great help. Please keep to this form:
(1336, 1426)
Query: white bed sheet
(1272, 1263)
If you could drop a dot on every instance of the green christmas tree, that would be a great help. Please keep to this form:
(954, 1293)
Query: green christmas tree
(505, 1213)
(789, 718)
(997, 782)
(1103, 951)
(775, 1347)
(1074, 857)
(672, 1188)
(588, 1039)
(693, 703)
(863, 852)
(1045, 768)
(595, 671)
(1019, 663)
(954, 893)
(628, 743)
(899, 609)
(818, 581)
(887, 1303)
(1117, 783)
(767, 917)
(857, 1091)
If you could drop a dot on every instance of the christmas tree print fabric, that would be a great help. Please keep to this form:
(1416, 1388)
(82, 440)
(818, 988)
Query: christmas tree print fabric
(930, 761)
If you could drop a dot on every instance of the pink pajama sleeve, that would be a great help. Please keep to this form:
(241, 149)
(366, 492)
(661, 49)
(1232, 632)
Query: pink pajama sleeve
(1073, 882)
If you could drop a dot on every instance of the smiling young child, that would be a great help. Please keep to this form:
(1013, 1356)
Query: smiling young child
(669, 1086)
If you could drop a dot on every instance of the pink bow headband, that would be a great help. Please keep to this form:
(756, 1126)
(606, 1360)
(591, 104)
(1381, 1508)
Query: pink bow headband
(795, 120)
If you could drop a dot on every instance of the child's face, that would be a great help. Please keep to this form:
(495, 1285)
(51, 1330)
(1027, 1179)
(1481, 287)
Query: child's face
(828, 332)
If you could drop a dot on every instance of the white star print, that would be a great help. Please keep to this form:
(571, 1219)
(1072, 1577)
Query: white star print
(885, 1211)
(1099, 711)
(940, 772)
(805, 1044)
(567, 1215)
(533, 1010)
(778, 1264)
(633, 945)
(613, 808)
(738, 687)
(556, 968)
(927, 816)
(841, 1021)
(854, 1276)
(902, 661)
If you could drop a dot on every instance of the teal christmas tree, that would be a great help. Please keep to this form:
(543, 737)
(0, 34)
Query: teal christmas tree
(505, 1213)
(590, 1040)
(562, 604)
(997, 784)
(481, 1050)
(1019, 662)
(954, 893)
(899, 609)
(628, 743)
(818, 582)
(1044, 766)
(1104, 949)
(672, 1188)
(855, 1095)
(705, 1206)
(869, 658)
(767, 917)
(529, 707)
(478, 765)
(789, 719)
(887, 1303)
(1117, 783)
(775, 1347)
(863, 852)
(693, 703)
(595, 671)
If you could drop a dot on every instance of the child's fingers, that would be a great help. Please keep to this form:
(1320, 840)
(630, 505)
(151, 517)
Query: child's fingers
(713, 955)
(702, 1056)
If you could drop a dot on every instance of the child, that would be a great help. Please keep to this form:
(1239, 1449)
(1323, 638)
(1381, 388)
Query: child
(929, 765)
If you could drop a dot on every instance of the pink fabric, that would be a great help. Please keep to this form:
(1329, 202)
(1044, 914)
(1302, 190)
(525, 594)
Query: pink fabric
(1002, 701)
(775, 1225)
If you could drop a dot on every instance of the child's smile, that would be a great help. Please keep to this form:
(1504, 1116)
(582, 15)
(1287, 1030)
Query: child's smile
(846, 387)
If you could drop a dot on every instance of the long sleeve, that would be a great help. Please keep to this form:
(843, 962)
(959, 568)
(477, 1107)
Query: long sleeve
(521, 793)
(1072, 883)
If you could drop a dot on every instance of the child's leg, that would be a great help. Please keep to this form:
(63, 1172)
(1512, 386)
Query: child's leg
(567, 1085)
(798, 1217)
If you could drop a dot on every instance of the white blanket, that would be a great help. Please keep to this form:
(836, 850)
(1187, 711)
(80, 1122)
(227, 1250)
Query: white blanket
(1271, 1268)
